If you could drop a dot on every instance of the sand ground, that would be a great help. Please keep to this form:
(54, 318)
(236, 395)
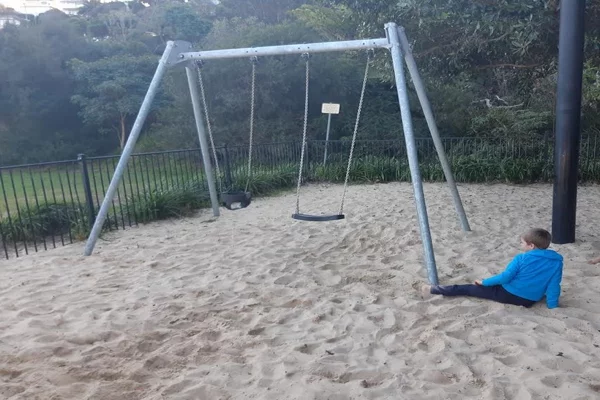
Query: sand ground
(255, 305)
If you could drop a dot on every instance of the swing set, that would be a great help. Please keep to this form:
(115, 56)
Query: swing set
(180, 54)
(244, 198)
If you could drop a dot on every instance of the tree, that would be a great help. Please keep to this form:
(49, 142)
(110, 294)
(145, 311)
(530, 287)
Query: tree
(110, 91)
(37, 120)
(268, 11)
(176, 20)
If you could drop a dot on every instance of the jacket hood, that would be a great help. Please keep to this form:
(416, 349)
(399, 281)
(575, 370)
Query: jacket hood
(549, 254)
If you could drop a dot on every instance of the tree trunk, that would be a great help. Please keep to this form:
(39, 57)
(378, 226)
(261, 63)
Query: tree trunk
(123, 132)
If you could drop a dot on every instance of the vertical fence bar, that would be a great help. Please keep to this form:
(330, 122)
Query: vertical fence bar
(2, 236)
(67, 208)
(116, 214)
(119, 201)
(135, 163)
(74, 194)
(37, 206)
(47, 205)
(30, 221)
(193, 170)
(149, 190)
(184, 168)
(228, 167)
(195, 167)
(179, 169)
(69, 205)
(132, 196)
(162, 169)
(147, 185)
(168, 171)
(10, 220)
(103, 190)
(153, 166)
(87, 189)
(94, 181)
(125, 196)
(153, 177)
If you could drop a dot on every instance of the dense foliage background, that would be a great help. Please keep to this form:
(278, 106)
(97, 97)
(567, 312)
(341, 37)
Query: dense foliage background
(71, 84)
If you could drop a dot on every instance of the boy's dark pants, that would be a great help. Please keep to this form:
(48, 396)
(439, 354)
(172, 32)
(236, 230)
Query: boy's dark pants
(495, 293)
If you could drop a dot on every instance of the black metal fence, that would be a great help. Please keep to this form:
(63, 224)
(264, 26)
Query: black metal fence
(46, 205)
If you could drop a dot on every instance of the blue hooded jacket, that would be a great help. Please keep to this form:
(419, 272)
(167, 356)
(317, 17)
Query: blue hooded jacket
(531, 275)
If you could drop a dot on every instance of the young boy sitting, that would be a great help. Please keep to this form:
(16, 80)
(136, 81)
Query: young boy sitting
(528, 277)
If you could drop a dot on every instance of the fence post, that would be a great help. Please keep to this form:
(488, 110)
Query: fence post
(228, 168)
(87, 189)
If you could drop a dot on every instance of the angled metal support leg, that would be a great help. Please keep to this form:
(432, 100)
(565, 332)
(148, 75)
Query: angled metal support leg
(439, 146)
(192, 76)
(411, 149)
(163, 64)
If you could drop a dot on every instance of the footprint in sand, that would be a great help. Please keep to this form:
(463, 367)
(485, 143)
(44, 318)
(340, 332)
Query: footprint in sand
(156, 363)
(256, 331)
(284, 280)
(307, 348)
(554, 381)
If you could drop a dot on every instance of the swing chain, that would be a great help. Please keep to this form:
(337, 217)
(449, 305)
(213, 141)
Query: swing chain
(254, 61)
(306, 57)
(199, 65)
(370, 55)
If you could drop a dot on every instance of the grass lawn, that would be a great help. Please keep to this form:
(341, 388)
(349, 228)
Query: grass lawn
(26, 188)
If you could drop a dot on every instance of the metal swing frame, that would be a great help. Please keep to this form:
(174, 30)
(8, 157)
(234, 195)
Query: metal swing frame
(181, 54)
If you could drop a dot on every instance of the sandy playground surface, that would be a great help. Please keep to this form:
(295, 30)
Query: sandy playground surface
(258, 306)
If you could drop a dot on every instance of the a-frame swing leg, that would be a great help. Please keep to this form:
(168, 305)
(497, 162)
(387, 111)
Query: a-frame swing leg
(168, 58)
(411, 149)
(435, 135)
(192, 76)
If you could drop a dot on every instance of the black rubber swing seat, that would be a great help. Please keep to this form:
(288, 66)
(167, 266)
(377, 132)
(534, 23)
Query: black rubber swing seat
(318, 218)
(230, 198)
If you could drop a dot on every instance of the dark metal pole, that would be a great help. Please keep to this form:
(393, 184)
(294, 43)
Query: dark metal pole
(568, 115)
(87, 190)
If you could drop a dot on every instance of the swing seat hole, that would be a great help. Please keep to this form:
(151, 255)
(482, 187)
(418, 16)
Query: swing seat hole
(236, 200)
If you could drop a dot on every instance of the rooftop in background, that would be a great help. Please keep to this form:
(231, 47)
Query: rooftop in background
(36, 7)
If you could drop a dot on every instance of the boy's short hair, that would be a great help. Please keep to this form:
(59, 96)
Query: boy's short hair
(538, 237)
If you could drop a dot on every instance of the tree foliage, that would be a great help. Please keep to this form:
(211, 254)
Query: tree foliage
(74, 83)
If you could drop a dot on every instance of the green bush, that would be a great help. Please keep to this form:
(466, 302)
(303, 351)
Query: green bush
(173, 202)
(265, 181)
(369, 169)
(49, 219)
(466, 169)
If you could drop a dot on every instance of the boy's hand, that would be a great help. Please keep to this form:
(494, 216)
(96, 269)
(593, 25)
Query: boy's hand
(478, 283)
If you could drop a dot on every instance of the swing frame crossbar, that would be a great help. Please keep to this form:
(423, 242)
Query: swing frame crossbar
(178, 53)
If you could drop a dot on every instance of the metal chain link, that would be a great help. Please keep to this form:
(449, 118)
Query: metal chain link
(208, 126)
(307, 57)
(360, 105)
(251, 140)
